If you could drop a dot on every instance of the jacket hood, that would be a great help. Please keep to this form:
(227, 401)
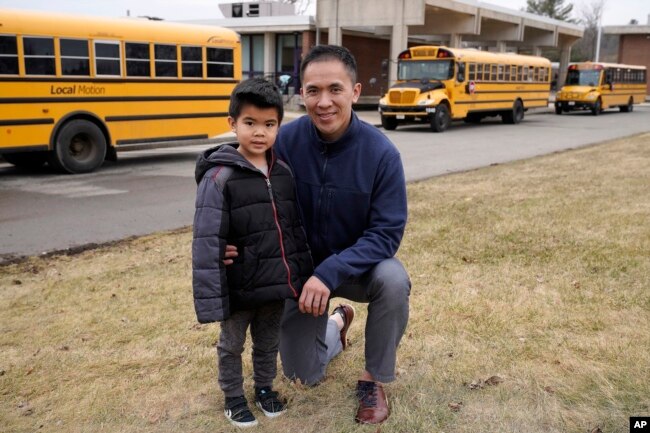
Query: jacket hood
(224, 154)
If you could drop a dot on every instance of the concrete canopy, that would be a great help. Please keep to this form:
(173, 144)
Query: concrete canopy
(451, 22)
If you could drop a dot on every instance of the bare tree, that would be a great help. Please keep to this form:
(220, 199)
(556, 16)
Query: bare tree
(589, 16)
(550, 8)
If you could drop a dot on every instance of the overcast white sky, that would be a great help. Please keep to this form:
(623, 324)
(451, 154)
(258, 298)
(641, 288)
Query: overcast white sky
(617, 12)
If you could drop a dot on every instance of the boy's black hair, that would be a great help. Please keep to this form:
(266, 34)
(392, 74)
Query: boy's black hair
(257, 92)
(330, 52)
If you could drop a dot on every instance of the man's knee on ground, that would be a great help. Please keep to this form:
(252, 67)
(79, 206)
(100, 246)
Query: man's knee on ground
(391, 281)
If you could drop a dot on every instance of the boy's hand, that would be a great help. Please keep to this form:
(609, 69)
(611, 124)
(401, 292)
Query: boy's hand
(314, 297)
(231, 253)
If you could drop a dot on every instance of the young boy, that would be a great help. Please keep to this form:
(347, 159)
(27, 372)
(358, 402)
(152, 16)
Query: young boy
(246, 198)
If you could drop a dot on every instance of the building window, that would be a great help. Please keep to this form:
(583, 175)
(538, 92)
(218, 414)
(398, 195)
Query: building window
(252, 55)
(8, 55)
(137, 59)
(288, 50)
(39, 56)
(75, 58)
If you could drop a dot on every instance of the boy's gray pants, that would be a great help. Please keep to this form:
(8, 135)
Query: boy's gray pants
(265, 331)
(308, 343)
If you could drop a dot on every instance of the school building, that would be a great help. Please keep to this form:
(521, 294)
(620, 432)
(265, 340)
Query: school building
(633, 44)
(274, 37)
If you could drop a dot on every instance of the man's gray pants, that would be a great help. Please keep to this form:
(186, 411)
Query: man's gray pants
(265, 326)
(308, 343)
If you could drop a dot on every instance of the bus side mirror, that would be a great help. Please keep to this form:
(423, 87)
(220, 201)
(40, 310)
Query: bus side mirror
(461, 72)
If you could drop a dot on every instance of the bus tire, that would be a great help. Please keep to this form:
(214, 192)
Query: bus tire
(597, 107)
(389, 123)
(441, 119)
(629, 107)
(514, 116)
(30, 160)
(80, 147)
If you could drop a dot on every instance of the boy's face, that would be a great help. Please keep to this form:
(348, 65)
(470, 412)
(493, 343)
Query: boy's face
(256, 129)
(328, 93)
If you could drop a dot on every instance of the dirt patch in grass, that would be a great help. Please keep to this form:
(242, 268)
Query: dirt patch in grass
(529, 312)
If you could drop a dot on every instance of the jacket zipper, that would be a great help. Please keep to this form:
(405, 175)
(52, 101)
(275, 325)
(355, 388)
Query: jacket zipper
(320, 196)
(280, 235)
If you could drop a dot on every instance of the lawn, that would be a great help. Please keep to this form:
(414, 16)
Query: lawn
(530, 312)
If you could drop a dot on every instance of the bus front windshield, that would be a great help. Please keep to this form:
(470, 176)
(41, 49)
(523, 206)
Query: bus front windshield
(425, 70)
(584, 77)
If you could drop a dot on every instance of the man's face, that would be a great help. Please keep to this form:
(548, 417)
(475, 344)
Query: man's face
(328, 93)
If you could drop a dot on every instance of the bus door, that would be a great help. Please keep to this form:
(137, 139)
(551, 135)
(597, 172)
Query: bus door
(461, 96)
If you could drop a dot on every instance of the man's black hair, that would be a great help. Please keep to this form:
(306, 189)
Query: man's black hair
(330, 52)
(257, 92)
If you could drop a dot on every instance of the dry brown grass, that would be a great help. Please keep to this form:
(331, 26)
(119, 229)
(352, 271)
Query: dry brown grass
(536, 272)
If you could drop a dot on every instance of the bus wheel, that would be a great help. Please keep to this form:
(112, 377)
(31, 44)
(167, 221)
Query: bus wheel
(627, 108)
(389, 123)
(441, 119)
(26, 159)
(80, 147)
(596, 108)
(514, 116)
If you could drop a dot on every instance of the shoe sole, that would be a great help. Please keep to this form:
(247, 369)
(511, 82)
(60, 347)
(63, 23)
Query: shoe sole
(269, 414)
(239, 423)
(346, 327)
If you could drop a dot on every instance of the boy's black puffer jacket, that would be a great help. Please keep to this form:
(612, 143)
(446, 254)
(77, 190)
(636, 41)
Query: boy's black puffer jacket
(236, 204)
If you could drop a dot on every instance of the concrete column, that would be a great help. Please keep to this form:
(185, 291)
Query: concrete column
(502, 47)
(398, 41)
(269, 53)
(565, 58)
(334, 35)
(455, 40)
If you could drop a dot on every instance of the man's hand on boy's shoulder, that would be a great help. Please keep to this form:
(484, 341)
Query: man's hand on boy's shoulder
(314, 296)
(231, 253)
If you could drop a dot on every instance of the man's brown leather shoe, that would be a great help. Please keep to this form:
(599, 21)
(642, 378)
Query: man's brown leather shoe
(347, 312)
(373, 405)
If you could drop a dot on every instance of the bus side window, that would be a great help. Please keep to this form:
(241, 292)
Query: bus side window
(191, 62)
(39, 56)
(461, 73)
(220, 62)
(8, 55)
(75, 57)
(107, 58)
(165, 60)
(137, 59)
(472, 72)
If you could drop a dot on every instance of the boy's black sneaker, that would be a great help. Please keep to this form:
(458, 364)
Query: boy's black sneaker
(267, 400)
(238, 413)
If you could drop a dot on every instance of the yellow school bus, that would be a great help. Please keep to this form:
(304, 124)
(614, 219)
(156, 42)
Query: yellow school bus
(597, 86)
(75, 89)
(438, 84)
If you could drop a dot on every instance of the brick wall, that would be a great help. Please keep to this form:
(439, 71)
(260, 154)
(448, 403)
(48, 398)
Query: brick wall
(635, 50)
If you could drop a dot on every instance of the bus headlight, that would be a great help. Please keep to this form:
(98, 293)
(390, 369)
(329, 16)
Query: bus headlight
(592, 95)
(426, 102)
